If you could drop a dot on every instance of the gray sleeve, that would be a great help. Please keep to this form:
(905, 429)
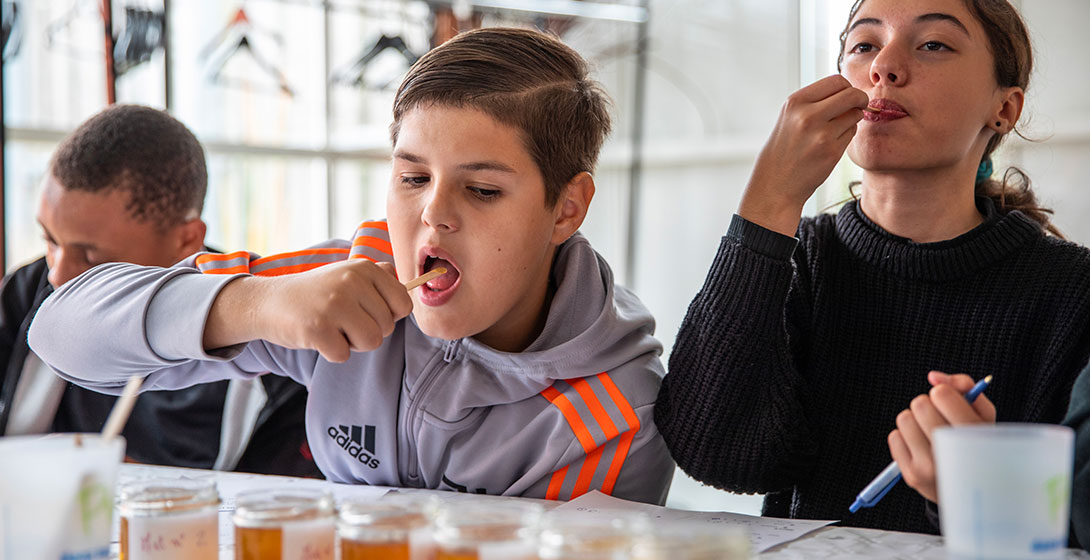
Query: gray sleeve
(649, 469)
(118, 320)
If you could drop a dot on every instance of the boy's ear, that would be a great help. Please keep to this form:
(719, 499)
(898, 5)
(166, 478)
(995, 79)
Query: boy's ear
(189, 237)
(572, 207)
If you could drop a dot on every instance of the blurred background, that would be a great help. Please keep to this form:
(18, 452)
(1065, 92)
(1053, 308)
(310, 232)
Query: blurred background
(291, 100)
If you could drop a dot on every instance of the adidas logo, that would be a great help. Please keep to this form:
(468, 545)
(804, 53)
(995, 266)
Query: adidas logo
(358, 441)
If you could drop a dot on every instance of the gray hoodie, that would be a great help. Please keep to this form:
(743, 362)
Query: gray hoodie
(571, 413)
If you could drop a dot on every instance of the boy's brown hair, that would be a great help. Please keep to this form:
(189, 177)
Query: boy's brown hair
(525, 79)
(143, 151)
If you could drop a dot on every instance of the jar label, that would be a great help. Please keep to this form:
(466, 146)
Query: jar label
(186, 536)
(308, 540)
(516, 550)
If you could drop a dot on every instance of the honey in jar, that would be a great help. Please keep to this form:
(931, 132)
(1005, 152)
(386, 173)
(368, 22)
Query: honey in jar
(398, 527)
(487, 529)
(284, 524)
(169, 519)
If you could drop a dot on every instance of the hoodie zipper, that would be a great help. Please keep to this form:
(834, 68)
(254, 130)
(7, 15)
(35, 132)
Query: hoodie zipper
(450, 352)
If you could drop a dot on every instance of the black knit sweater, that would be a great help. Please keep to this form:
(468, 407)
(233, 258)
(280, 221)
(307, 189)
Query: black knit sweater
(792, 363)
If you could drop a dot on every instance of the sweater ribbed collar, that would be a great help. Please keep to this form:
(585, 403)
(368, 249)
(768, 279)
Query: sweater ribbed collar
(999, 236)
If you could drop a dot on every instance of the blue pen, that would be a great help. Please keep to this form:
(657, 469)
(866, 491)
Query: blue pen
(891, 475)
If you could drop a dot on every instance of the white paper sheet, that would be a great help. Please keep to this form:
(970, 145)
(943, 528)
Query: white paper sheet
(764, 532)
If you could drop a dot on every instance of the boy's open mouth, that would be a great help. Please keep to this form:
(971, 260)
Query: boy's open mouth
(443, 282)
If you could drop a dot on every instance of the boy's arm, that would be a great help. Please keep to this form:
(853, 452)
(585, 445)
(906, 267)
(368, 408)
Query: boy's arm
(336, 309)
(730, 408)
(111, 322)
(119, 320)
(628, 460)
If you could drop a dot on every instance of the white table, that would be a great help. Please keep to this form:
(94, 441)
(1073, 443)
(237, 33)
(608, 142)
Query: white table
(843, 543)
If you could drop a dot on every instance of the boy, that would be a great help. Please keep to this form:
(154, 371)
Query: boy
(128, 185)
(523, 370)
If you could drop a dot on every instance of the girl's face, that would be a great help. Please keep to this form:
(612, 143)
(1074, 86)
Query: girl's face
(466, 195)
(927, 65)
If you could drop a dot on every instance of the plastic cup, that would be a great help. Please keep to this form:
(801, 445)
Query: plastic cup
(1004, 489)
(57, 495)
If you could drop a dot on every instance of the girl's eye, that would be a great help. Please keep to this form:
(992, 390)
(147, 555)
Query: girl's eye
(484, 194)
(862, 48)
(417, 181)
(934, 46)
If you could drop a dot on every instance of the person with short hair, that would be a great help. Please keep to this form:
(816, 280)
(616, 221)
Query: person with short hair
(128, 185)
(523, 369)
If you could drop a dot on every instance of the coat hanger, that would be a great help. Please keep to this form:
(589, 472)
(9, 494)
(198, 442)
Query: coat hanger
(236, 38)
(142, 35)
(58, 29)
(355, 74)
(12, 29)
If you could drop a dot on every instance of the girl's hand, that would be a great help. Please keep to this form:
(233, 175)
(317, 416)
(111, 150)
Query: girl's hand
(335, 309)
(815, 126)
(944, 405)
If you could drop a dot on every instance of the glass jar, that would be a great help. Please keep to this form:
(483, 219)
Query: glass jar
(601, 535)
(169, 519)
(487, 529)
(397, 527)
(284, 524)
(693, 541)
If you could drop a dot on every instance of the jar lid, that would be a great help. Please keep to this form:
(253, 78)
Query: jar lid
(169, 494)
(262, 507)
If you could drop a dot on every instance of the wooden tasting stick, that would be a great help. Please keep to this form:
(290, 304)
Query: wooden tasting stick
(122, 408)
(424, 278)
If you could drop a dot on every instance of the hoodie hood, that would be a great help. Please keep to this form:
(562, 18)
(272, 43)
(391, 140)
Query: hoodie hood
(592, 326)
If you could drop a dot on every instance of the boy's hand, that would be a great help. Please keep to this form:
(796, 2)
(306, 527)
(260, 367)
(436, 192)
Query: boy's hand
(814, 128)
(944, 405)
(335, 309)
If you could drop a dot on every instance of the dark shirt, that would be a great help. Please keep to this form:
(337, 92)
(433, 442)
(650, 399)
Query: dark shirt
(793, 363)
(177, 428)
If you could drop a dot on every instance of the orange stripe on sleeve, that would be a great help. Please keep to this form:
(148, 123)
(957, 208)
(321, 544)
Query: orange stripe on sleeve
(626, 440)
(374, 243)
(586, 474)
(326, 251)
(572, 416)
(618, 461)
(290, 269)
(233, 270)
(209, 257)
(376, 225)
(583, 387)
(622, 403)
(555, 483)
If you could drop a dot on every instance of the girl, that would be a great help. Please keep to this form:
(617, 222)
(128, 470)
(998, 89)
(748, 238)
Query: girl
(793, 362)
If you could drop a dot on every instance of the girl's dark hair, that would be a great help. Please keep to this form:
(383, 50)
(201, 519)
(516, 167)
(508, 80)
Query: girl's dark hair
(525, 79)
(1010, 46)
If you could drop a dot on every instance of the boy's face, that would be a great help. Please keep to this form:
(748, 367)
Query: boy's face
(466, 195)
(83, 229)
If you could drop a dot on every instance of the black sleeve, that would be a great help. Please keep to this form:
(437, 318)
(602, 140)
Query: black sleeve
(729, 408)
(20, 294)
(1078, 417)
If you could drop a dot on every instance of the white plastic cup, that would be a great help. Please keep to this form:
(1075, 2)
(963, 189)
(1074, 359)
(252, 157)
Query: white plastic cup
(57, 496)
(1004, 489)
